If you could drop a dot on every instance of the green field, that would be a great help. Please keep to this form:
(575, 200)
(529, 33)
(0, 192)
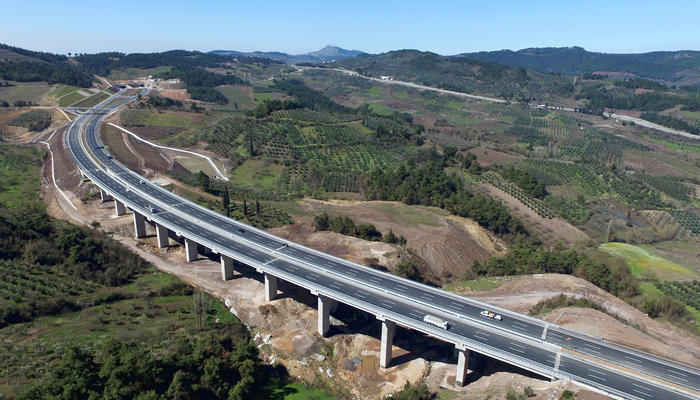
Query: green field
(70, 99)
(63, 90)
(257, 174)
(479, 285)
(683, 146)
(646, 264)
(27, 91)
(19, 170)
(237, 95)
(154, 118)
(92, 100)
(382, 109)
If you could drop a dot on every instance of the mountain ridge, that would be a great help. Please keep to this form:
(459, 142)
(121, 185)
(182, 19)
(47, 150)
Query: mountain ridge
(326, 54)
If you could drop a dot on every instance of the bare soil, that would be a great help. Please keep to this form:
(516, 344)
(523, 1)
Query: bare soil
(448, 244)
(487, 156)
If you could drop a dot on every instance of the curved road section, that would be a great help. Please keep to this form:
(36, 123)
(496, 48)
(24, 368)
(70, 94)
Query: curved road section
(527, 342)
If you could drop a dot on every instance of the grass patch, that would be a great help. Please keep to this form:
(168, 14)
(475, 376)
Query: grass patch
(261, 96)
(382, 109)
(154, 118)
(645, 264)
(35, 120)
(258, 174)
(19, 171)
(70, 99)
(27, 91)
(478, 285)
(374, 92)
(92, 100)
(237, 95)
(682, 146)
(63, 90)
(298, 391)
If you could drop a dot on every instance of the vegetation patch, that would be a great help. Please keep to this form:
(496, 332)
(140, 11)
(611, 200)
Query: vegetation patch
(561, 301)
(70, 99)
(644, 263)
(154, 118)
(35, 120)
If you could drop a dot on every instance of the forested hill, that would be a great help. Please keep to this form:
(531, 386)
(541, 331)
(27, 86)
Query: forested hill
(460, 74)
(677, 67)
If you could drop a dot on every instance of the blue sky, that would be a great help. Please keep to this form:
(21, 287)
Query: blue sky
(444, 27)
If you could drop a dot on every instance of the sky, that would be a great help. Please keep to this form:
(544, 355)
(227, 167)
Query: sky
(443, 27)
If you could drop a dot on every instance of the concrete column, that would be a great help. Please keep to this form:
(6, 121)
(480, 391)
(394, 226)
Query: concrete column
(139, 225)
(119, 208)
(324, 315)
(190, 250)
(270, 287)
(104, 196)
(226, 267)
(388, 328)
(162, 233)
(462, 365)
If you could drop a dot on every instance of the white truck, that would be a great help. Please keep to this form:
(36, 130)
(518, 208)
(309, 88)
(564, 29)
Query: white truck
(435, 321)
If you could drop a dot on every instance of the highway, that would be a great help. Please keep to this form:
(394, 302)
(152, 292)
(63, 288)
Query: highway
(517, 339)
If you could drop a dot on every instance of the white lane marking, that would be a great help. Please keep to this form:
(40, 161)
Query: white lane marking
(456, 304)
(485, 339)
(642, 387)
(595, 371)
(515, 344)
(335, 285)
(678, 377)
(599, 377)
(399, 289)
(519, 324)
(416, 313)
(642, 393)
(386, 304)
(360, 296)
(675, 372)
(313, 278)
(271, 261)
(517, 350)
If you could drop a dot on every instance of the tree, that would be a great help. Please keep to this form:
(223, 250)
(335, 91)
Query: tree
(322, 222)
(227, 202)
(203, 180)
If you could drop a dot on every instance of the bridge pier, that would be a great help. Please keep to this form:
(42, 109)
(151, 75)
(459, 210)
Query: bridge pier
(270, 287)
(462, 366)
(105, 196)
(162, 233)
(227, 270)
(388, 328)
(190, 250)
(324, 314)
(139, 225)
(119, 208)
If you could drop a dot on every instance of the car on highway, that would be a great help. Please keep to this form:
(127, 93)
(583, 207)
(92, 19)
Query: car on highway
(151, 209)
(489, 314)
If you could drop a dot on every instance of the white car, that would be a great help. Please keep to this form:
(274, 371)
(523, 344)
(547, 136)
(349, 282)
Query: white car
(489, 314)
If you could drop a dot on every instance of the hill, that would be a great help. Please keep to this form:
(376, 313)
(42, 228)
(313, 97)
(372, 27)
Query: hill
(326, 54)
(677, 67)
(459, 74)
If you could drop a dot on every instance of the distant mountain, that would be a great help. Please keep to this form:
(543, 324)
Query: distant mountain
(676, 67)
(326, 54)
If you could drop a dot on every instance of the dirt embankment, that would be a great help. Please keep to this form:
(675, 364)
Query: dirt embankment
(448, 244)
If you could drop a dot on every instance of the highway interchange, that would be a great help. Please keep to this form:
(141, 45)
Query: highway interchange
(518, 339)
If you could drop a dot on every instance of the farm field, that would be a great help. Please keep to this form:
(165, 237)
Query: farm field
(133, 73)
(154, 118)
(646, 264)
(19, 167)
(70, 99)
(257, 174)
(27, 91)
(92, 100)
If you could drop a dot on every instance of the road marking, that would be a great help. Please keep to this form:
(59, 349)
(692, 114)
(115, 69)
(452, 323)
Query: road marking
(517, 350)
(678, 377)
(277, 258)
(596, 371)
(485, 339)
(375, 280)
(596, 376)
(386, 304)
(515, 344)
(675, 372)
(416, 313)
(642, 393)
(313, 278)
(360, 296)
(642, 387)
(335, 285)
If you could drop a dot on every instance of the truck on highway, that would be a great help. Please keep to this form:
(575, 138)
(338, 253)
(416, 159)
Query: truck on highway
(435, 321)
